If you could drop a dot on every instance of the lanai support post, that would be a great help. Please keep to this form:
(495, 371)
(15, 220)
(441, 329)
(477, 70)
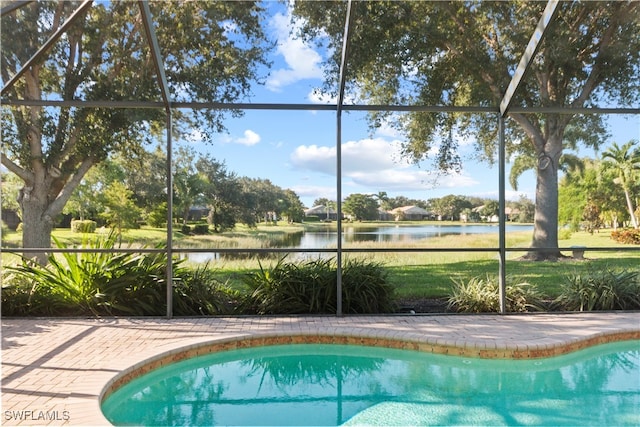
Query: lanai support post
(169, 215)
(154, 47)
(339, 105)
(502, 217)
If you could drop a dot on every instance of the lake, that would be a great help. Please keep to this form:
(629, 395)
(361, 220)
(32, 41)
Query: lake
(381, 234)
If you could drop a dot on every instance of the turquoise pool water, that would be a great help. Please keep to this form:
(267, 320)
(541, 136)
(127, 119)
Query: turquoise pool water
(334, 385)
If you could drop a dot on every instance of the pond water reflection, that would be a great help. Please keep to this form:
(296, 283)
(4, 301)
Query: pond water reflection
(397, 233)
(378, 234)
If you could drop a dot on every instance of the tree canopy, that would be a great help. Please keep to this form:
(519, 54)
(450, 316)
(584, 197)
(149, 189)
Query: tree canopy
(625, 161)
(451, 54)
(212, 51)
(459, 54)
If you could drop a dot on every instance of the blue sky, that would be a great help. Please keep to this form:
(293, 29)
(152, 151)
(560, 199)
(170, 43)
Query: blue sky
(296, 149)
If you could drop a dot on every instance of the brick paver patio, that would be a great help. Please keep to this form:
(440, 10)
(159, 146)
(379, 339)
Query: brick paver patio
(54, 371)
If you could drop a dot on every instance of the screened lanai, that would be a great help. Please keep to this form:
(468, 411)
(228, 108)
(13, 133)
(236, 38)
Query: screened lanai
(327, 99)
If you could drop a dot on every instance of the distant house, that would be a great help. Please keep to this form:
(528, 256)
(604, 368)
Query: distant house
(384, 215)
(196, 213)
(411, 213)
(322, 212)
(511, 213)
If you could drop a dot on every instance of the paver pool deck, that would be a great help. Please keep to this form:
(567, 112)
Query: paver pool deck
(56, 371)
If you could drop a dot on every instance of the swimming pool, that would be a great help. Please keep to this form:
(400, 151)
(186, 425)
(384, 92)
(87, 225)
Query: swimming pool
(328, 384)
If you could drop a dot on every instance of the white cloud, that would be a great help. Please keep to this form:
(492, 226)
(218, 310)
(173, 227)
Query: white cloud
(302, 61)
(226, 139)
(371, 155)
(386, 129)
(317, 97)
(250, 138)
(376, 164)
(509, 194)
(314, 158)
(195, 136)
(315, 192)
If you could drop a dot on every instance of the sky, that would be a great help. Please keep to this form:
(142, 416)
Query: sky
(297, 149)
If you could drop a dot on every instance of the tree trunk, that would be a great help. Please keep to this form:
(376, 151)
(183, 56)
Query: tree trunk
(634, 221)
(37, 222)
(545, 229)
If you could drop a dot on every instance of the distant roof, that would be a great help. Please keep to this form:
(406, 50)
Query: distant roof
(320, 209)
(414, 210)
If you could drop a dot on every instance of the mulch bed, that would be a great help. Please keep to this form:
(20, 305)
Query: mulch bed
(424, 305)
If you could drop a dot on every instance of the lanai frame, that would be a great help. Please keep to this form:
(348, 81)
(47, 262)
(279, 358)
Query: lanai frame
(339, 107)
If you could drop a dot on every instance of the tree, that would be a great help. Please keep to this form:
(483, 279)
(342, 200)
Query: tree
(145, 175)
(450, 207)
(188, 184)
(470, 215)
(361, 206)
(591, 217)
(268, 200)
(576, 187)
(625, 161)
(294, 210)
(382, 198)
(85, 202)
(464, 53)
(10, 187)
(490, 209)
(120, 210)
(211, 52)
(222, 193)
(582, 187)
(526, 209)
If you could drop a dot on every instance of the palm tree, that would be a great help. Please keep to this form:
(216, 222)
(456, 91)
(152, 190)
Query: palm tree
(626, 162)
(523, 163)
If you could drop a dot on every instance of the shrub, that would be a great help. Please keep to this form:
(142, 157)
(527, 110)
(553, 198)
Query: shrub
(199, 292)
(483, 296)
(310, 287)
(19, 297)
(201, 229)
(311, 218)
(95, 282)
(629, 236)
(365, 288)
(83, 226)
(111, 283)
(185, 229)
(602, 289)
(157, 218)
(564, 234)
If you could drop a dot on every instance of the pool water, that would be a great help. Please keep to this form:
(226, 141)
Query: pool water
(320, 384)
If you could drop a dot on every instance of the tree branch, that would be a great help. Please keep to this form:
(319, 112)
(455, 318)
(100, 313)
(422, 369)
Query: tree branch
(595, 76)
(56, 206)
(24, 175)
(530, 129)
